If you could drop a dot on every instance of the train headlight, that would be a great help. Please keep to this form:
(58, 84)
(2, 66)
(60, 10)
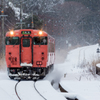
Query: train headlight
(40, 32)
(11, 32)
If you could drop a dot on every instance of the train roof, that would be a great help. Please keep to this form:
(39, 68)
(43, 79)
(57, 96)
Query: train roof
(18, 32)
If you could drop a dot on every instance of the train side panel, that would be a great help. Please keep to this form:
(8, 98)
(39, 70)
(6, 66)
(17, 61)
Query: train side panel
(51, 51)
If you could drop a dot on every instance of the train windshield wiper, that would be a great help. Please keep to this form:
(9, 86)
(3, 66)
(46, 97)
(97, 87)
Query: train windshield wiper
(15, 43)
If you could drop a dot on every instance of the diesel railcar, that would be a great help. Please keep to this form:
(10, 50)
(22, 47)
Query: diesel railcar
(29, 53)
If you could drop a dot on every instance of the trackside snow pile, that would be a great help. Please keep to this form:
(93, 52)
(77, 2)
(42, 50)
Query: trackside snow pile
(79, 79)
(48, 91)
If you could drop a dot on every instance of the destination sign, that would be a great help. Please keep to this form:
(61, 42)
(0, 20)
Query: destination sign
(26, 32)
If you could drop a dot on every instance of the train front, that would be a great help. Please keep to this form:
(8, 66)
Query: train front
(26, 54)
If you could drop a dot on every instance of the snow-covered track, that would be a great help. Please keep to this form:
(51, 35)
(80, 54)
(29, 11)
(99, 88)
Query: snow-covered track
(16, 90)
(39, 92)
(46, 90)
(28, 90)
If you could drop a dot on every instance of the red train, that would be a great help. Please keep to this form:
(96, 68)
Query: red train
(29, 53)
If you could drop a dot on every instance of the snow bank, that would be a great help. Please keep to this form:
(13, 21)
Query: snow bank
(87, 90)
(79, 79)
(45, 88)
(83, 54)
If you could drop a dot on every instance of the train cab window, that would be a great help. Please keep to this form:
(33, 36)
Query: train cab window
(12, 40)
(26, 42)
(40, 41)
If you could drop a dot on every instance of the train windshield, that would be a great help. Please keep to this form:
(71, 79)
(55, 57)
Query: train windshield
(40, 41)
(12, 40)
(26, 42)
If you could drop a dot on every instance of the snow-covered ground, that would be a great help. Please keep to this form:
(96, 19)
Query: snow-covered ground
(76, 75)
(39, 90)
(79, 73)
(28, 90)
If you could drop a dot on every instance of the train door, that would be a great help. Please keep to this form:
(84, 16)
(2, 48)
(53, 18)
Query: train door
(26, 51)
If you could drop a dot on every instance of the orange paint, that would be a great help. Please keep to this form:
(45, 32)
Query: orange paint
(37, 55)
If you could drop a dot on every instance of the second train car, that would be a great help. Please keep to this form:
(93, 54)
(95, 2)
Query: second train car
(29, 53)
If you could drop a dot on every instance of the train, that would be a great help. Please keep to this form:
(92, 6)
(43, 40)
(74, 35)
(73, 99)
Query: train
(29, 53)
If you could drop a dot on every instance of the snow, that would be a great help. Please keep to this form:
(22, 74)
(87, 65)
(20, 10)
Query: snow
(26, 91)
(8, 87)
(98, 65)
(89, 90)
(77, 75)
(47, 91)
(17, 11)
(25, 64)
(83, 54)
(3, 93)
(73, 96)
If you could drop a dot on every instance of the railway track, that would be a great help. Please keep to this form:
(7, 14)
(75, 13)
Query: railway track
(34, 88)
(28, 90)
(17, 91)
(39, 92)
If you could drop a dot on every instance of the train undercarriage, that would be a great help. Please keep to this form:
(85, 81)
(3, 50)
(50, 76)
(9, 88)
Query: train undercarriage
(29, 73)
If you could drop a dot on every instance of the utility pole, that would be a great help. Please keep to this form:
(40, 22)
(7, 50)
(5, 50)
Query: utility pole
(2, 28)
(21, 14)
(21, 11)
(2, 13)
